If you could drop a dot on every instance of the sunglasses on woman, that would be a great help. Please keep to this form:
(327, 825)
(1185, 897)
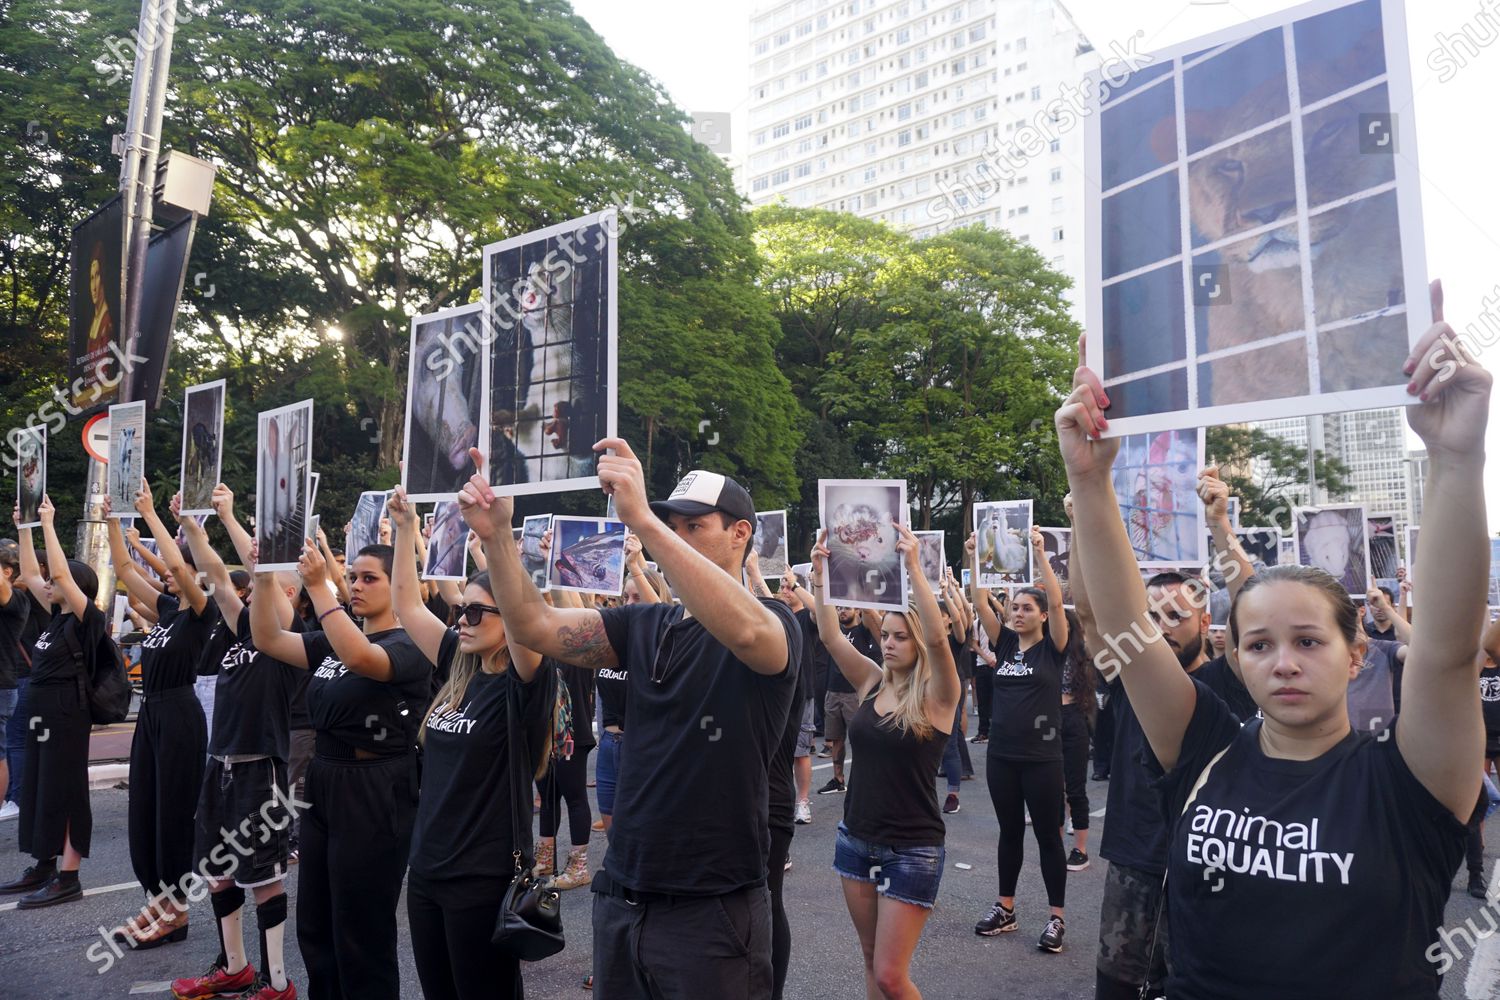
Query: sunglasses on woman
(474, 613)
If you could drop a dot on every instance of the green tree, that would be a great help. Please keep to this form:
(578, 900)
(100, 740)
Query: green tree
(1262, 470)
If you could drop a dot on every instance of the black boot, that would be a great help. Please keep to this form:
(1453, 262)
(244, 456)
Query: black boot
(1477, 888)
(62, 888)
(31, 879)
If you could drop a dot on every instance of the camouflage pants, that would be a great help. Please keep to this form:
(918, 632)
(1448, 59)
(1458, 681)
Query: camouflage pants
(1127, 925)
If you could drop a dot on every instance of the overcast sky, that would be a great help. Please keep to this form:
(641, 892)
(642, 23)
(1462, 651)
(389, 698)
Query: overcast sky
(699, 52)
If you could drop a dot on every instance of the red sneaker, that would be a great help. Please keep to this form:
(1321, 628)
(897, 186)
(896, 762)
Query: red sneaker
(263, 990)
(214, 983)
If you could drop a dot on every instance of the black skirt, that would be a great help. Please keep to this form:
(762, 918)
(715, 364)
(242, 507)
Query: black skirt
(55, 791)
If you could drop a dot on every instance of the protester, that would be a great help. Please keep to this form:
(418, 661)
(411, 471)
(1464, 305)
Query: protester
(862, 626)
(15, 609)
(55, 819)
(1078, 707)
(1337, 812)
(814, 663)
(1024, 760)
(167, 750)
(566, 780)
(711, 683)
(15, 731)
(245, 785)
(462, 855)
(366, 696)
(889, 852)
(956, 629)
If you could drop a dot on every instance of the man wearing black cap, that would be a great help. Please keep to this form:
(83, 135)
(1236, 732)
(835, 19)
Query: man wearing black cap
(681, 908)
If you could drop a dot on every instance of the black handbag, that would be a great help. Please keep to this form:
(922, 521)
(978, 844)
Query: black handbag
(529, 926)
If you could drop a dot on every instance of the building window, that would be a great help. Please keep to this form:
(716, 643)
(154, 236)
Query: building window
(1057, 206)
(781, 130)
(761, 183)
(781, 176)
(1056, 146)
(803, 169)
(783, 38)
(959, 66)
(762, 47)
(976, 34)
(1057, 235)
(804, 122)
(1056, 174)
(903, 138)
(903, 112)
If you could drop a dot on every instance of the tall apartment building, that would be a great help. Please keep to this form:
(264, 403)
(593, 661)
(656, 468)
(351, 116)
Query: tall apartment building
(1372, 443)
(913, 111)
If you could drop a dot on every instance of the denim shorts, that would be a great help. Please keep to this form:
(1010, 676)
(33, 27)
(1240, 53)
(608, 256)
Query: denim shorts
(906, 874)
(8, 699)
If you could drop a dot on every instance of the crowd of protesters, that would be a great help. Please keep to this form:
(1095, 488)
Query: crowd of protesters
(1306, 763)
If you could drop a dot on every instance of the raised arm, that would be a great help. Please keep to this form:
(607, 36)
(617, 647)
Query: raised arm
(222, 502)
(1441, 729)
(212, 567)
(185, 578)
(859, 670)
(1374, 596)
(151, 559)
(1057, 621)
(136, 585)
(979, 595)
(267, 630)
(1162, 694)
(31, 571)
(571, 635)
(720, 602)
(424, 627)
(349, 644)
(1107, 665)
(65, 591)
(1231, 559)
(945, 688)
(753, 577)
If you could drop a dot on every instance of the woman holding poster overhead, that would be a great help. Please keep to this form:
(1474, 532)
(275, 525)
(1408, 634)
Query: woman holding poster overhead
(56, 823)
(365, 698)
(1296, 814)
(889, 851)
(170, 745)
(1025, 759)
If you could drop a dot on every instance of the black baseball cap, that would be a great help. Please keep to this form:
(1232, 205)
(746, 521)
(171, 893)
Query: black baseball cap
(700, 493)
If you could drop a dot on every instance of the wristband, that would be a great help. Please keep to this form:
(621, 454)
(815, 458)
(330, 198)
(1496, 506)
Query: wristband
(336, 607)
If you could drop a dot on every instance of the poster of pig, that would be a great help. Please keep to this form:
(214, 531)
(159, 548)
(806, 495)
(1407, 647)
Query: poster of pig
(442, 403)
(550, 367)
(281, 484)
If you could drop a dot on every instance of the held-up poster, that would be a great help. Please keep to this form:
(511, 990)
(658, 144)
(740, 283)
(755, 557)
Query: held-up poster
(1255, 225)
(860, 515)
(443, 403)
(203, 446)
(127, 456)
(283, 478)
(549, 355)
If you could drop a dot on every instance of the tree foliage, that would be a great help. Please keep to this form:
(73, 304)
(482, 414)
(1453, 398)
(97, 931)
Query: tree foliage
(1263, 469)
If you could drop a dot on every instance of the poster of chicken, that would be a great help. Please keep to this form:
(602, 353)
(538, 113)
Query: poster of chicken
(1156, 483)
(550, 365)
(443, 397)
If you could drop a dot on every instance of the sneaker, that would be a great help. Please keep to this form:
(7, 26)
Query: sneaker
(1100, 775)
(950, 805)
(834, 785)
(1477, 888)
(788, 866)
(31, 879)
(9, 811)
(263, 990)
(998, 921)
(826, 751)
(980, 739)
(54, 892)
(1052, 935)
(1077, 861)
(803, 813)
(215, 983)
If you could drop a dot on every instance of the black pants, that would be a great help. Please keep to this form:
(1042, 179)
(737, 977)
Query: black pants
(355, 842)
(958, 730)
(167, 755)
(683, 948)
(984, 689)
(1075, 736)
(1474, 848)
(1018, 786)
(781, 930)
(54, 799)
(567, 779)
(1104, 735)
(451, 925)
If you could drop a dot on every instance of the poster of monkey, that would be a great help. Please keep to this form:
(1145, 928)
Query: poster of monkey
(550, 355)
(864, 569)
(443, 404)
(203, 446)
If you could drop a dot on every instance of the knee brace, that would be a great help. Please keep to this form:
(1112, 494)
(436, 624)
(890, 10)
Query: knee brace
(271, 913)
(227, 902)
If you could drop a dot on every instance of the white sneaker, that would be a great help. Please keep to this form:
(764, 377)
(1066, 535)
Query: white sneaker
(803, 813)
(9, 811)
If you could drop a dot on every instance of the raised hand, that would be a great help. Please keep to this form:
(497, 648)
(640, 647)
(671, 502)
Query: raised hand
(312, 567)
(1455, 391)
(633, 548)
(820, 556)
(222, 502)
(1038, 542)
(144, 505)
(1214, 493)
(908, 548)
(402, 512)
(45, 512)
(1080, 421)
(486, 514)
(621, 476)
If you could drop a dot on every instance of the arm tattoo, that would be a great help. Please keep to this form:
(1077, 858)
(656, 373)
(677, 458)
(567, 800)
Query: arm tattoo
(586, 644)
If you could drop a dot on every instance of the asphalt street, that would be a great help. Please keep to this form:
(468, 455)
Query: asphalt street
(45, 954)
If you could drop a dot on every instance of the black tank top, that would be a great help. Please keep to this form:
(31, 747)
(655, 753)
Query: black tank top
(892, 799)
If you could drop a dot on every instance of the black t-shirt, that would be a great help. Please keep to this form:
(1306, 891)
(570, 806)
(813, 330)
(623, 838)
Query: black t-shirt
(867, 643)
(463, 827)
(1026, 708)
(963, 656)
(219, 640)
(892, 798)
(580, 684)
(37, 617)
(13, 616)
(809, 662)
(253, 698)
(702, 733)
(613, 685)
(1135, 835)
(1388, 633)
(782, 784)
(1219, 676)
(51, 657)
(1281, 851)
(1489, 700)
(380, 717)
(170, 651)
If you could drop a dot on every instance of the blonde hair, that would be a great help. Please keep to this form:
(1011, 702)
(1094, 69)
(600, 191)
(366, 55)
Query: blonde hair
(911, 686)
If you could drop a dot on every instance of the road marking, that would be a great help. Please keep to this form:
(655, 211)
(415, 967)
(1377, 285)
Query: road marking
(160, 987)
(1097, 813)
(1484, 966)
(88, 892)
